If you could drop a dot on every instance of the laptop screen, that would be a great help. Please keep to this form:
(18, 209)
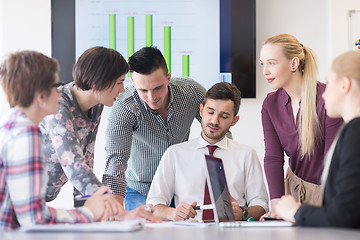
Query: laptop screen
(218, 190)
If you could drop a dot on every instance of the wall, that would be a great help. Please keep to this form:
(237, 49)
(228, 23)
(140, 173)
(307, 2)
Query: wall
(319, 24)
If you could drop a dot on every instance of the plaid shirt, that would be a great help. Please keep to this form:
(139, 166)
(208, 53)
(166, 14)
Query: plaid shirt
(23, 179)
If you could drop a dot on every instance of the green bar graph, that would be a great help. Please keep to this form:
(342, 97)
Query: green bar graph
(112, 31)
(167, 46)
(149, 30)
(185, 65)
(131, 35)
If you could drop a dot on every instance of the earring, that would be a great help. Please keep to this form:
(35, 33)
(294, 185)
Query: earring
(293, 69)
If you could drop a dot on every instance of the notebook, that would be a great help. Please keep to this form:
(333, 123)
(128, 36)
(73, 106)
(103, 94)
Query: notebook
(123, 226)
(220, 198)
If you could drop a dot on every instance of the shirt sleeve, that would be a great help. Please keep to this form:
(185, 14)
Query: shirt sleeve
(342, 192)
(274, 156)
(25, 179)
(256, 193)
(69, 151)
(162, 188)
(119, 134)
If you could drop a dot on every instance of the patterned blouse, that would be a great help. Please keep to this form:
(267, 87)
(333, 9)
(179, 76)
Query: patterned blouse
(70, 139)
(23, 178)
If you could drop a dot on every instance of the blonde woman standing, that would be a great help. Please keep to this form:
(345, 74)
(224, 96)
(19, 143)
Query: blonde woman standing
(294, 120)
(341, 175)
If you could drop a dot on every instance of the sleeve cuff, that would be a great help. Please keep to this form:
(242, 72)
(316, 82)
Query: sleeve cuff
(86, 211)
(116, 184)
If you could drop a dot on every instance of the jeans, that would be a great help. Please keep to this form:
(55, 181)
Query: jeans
(133, 199)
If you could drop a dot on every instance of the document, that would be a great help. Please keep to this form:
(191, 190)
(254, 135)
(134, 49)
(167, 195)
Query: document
(123, 226)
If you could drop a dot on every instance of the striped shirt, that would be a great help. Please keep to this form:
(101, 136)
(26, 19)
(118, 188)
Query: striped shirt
(23, 179)
(137, 137)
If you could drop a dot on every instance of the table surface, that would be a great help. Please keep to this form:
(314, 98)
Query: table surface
(199, 233)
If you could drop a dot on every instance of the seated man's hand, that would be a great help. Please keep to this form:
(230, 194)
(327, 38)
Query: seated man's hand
(184, 211)
(145, 211)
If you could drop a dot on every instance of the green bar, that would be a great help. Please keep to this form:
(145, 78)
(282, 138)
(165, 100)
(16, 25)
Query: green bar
(167, 46)
(131, 37)
(185, 65)
(112, 31)
(149, 30)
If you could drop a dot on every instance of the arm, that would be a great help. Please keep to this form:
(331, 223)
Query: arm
(182, 212)
(162, 188)
(118, 147)
(69, 150)
(256, 193)
(342, 191)
(26, 179)
(274, 156)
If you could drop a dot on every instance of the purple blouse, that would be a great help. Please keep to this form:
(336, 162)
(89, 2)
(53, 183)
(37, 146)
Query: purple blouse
(281, 135)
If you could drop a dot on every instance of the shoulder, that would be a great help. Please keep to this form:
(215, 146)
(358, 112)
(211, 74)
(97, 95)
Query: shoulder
(274, 97)
(15, 125)
(127, 102)
(320, 88)
(242, 149)
(183, 146)
(352, 129)
(186, 85)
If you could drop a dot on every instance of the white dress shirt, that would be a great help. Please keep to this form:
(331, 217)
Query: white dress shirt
(182, 173)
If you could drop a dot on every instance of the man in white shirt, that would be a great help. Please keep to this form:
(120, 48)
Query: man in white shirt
(182, 170)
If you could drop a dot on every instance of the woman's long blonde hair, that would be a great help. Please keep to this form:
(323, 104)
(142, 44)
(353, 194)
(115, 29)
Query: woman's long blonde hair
(308, 121)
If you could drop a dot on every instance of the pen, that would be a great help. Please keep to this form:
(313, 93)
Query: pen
(81, 197)
(84, 197)
(204, 207)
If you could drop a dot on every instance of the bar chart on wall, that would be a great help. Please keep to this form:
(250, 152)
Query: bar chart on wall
(185, 36)
(196, 37)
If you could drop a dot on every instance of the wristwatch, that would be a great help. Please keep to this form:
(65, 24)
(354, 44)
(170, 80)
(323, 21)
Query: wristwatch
(245, 212)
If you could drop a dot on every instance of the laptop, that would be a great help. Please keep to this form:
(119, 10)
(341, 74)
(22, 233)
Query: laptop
(220, 198)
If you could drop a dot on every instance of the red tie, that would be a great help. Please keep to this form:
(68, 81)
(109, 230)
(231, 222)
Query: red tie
(208, 215)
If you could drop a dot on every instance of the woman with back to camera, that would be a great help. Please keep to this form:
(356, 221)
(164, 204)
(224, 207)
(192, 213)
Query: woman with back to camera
(341, 175)
(294, 120)
(30, 81)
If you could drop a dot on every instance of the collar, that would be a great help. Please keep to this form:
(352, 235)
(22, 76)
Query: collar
(284, 96)
(201, 143)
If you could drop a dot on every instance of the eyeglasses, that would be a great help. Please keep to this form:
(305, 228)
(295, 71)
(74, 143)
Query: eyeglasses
(59, 86)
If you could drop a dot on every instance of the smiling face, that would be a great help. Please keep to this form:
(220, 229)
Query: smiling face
(217, 116)
(276, 67)
(153, 88)
(108, 96)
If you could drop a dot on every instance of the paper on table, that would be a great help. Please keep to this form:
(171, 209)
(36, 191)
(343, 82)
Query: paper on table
(124, 226)
(278, 223)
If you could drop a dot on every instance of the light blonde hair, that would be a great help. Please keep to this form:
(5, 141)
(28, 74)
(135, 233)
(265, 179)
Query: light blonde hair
(308, 120)
(347, 65)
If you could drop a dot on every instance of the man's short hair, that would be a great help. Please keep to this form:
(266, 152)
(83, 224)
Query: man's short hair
(25, 73)
(98, 68)
(147, 60)
(225, 91)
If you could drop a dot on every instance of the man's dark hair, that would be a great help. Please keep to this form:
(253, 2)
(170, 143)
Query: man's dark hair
(225, 91)
(98, 68)
(147, 60)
